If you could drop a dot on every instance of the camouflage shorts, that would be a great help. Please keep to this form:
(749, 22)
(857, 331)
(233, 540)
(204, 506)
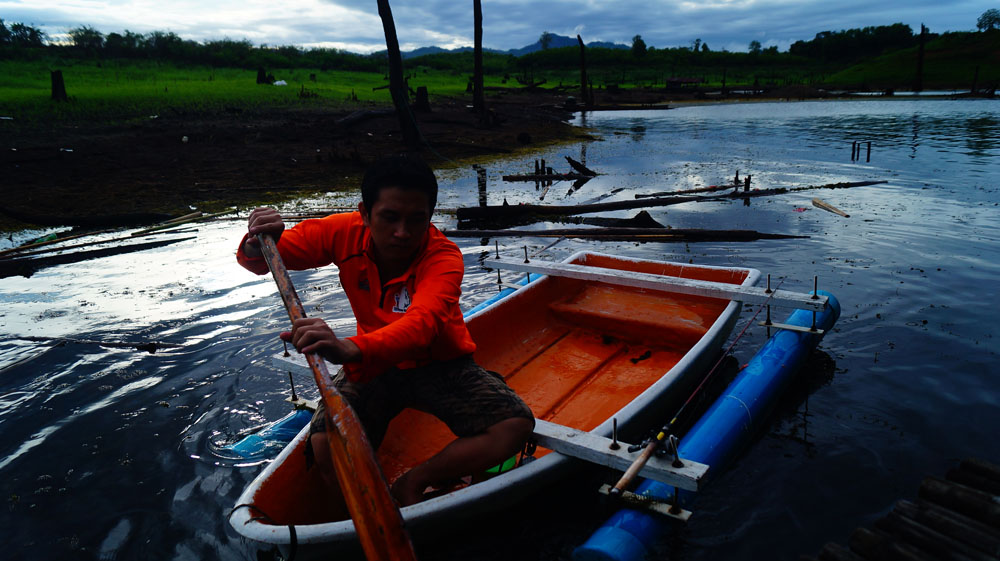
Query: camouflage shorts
(465, 396)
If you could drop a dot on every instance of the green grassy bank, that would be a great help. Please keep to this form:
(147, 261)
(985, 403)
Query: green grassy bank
(121, 90)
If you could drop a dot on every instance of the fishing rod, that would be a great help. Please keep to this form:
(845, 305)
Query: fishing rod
(665, 437)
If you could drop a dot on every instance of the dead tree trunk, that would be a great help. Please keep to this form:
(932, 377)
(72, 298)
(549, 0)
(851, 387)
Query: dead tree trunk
(397, 87)
(919, 84)
(478, 102)
(584, 96)
(58, 86)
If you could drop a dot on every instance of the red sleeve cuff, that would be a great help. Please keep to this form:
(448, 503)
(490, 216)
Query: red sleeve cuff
(370, 365)
(253, 264)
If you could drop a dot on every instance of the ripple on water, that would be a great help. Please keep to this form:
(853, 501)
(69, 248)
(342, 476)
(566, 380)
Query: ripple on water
(913, 354)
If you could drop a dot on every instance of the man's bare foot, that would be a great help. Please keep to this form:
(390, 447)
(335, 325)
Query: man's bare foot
(407, 491)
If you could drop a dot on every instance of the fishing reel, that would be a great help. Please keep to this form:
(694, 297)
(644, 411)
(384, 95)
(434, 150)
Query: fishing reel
(665, 445)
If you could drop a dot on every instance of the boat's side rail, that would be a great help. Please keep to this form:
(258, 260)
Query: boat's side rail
(600, 450)
(722, 290)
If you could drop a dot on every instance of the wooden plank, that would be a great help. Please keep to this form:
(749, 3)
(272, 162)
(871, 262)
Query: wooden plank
(877, 545)
(725, 291)
(962, 499)
(820, 203)
(937, 544)
(643, 502)
(952, 524)
(837, 552)
(596, 449)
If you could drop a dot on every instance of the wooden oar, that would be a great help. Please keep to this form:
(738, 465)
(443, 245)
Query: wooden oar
(376, 517)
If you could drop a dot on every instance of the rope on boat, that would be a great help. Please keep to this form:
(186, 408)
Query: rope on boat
(293, 545)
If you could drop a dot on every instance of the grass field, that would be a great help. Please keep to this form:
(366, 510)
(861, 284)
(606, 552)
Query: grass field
(115, 91)
(126, 90)
(949, 62)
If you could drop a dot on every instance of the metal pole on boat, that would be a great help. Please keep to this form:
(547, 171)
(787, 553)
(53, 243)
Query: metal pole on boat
(815, 296)
(291, 382)
(366, 493)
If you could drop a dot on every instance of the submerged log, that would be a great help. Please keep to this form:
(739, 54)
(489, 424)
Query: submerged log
(737, 186)
(182, 221)
(628, 234)
(86, 221)
(973, 503)
(642, 219)
(27, 266)
(73, 246)
(878, 545)
(709, 189)
(22, 248)
(580, 168)
(547, 177)
(952, 524)
(516, 211)
(148, 346)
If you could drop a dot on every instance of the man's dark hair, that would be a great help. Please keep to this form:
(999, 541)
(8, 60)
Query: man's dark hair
(404, 171)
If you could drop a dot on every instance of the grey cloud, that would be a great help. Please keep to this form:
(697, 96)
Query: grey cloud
(515, 23)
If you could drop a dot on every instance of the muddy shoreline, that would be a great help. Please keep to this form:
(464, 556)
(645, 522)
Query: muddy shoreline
(99, 175)
(103, 175)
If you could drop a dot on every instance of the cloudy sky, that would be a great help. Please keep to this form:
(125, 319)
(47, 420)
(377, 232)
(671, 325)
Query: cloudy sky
(354, 24)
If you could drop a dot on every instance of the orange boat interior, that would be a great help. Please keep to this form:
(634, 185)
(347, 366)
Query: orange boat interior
(575, 351)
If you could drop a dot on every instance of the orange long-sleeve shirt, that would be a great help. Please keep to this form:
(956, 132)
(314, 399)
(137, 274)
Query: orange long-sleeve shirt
(405, 322)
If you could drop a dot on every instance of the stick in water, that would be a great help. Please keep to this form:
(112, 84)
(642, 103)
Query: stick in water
(376, 517)
(820, 203)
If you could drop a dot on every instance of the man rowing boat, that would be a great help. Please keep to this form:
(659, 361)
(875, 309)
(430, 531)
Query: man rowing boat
(412, 349)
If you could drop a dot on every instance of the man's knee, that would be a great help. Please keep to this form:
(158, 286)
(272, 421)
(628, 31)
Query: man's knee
(513, 431)
(321, 450)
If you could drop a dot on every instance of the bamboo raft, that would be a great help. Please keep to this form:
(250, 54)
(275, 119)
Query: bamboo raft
(956, 518)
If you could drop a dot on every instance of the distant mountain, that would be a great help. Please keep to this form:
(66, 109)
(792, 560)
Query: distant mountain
(433, 51)
(556, 42)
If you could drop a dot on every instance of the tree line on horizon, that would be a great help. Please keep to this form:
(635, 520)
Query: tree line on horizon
(23, 41)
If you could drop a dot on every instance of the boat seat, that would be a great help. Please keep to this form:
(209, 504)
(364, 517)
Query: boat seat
(639, 315)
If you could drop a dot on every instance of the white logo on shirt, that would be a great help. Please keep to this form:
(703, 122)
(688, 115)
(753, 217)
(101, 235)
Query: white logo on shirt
(402, 301)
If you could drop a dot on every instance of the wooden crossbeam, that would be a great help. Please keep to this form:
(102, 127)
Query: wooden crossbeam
(725, 291)
(596, 450)
(646, 503)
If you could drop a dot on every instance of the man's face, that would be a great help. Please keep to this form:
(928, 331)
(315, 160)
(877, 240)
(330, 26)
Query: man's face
(398, 221)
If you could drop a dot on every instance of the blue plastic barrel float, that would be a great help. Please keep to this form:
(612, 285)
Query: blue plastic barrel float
(717, 437)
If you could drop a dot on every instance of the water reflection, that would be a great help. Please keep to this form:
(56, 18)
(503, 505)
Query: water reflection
(79, 423)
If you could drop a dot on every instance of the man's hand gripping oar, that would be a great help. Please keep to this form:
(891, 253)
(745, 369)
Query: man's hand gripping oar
(376, 517)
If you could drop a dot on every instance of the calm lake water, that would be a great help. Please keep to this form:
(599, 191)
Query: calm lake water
(111, 454)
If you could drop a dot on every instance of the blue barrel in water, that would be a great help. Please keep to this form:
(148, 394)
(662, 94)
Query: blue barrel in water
(719, 435)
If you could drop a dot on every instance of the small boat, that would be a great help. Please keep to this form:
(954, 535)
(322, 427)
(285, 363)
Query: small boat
(584, 353)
